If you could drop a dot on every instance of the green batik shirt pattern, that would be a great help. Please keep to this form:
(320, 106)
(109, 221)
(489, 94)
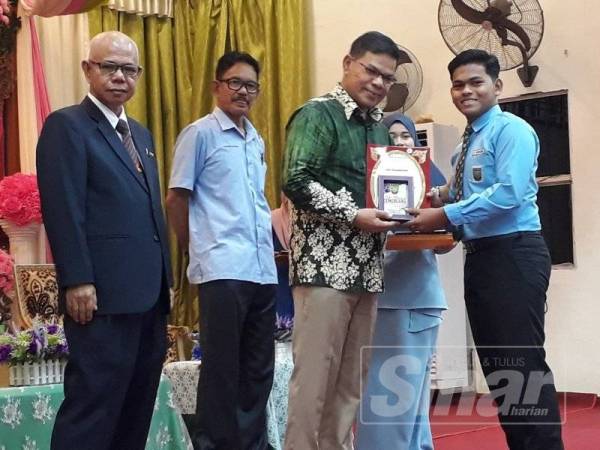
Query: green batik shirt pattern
(325, 178)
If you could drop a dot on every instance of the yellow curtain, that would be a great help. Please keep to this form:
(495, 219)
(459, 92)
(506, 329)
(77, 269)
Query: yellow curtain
(275, 33)
(179, 57)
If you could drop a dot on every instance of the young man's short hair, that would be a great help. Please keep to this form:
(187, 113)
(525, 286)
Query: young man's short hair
(476, 56)
(229, 59)
(377, 43)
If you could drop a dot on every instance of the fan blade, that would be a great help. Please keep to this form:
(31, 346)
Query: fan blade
(517, 30)
(503, 6)
(468, 13)
(396, 97)
(404, 58)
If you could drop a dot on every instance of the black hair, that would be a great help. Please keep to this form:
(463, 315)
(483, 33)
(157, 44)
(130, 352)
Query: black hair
(229, 59)
(375, 42)
(476, 56)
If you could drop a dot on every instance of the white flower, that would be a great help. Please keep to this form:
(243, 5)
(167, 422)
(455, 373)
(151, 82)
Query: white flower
(171, 402)
(11, 412)
(362, 244)
(42, 410)
(29, 444)
(163, 438)
(319, 252)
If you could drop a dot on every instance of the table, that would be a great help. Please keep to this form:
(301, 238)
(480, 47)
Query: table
(184, 377)
(27, 416)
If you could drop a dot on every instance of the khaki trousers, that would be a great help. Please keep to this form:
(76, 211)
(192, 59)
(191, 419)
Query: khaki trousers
(332, 332)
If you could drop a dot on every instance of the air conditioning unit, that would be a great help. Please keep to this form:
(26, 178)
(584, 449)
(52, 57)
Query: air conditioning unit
(449, 368)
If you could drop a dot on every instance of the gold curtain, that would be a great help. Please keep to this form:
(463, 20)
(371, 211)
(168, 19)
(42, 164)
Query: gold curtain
(179, 57)
(275, 33)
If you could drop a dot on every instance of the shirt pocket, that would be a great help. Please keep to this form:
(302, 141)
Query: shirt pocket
(481, 169)
(424, 319)
(226, 164)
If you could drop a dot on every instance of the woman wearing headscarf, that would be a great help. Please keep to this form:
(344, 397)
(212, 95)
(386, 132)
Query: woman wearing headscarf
(395, 404)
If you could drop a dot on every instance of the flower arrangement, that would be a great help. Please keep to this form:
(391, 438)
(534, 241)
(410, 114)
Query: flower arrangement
(41, 343)
(20, 199)
(7, 280)
(283, 328)
(4, 12)
(7, 276)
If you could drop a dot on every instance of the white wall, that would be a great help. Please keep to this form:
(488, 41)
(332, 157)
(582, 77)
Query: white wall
(568, 59)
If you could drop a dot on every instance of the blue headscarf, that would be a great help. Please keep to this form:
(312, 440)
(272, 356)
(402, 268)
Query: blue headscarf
(436, 176)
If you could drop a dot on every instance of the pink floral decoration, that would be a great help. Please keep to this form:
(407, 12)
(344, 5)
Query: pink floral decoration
(4, 11)
(7, 277)
(20, 199)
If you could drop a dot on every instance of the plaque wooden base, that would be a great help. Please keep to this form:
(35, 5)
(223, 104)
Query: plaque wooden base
(282, 257)
(418, 241)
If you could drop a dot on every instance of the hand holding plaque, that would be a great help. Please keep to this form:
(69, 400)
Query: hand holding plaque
(408, 168)
(398, 179)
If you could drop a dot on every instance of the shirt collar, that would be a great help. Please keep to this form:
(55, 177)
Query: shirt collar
(227, 124)
(483, 120)
(349, 105)
(112, 118)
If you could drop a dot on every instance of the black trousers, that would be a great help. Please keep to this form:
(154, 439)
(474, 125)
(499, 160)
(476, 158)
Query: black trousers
(506, 279)
(237, 324)
(111, 379)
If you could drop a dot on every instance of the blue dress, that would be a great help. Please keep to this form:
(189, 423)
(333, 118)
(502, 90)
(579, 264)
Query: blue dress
(285, 302)
(394, 410)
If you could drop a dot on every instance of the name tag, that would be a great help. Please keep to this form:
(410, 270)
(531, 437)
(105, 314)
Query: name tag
(477, 152)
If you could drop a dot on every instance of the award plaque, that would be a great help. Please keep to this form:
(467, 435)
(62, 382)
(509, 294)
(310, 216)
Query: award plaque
(398, 178)
(394, 161)
(395, 193)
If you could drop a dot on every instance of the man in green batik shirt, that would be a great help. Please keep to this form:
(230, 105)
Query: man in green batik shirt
(336, 246)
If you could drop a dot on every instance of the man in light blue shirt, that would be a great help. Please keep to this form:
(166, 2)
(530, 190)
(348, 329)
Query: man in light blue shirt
(217, 206)
(491, 202)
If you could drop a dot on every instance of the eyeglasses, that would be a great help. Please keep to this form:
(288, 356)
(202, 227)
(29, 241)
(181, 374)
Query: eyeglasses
(235, 84)
(373, 73)
(109, 68)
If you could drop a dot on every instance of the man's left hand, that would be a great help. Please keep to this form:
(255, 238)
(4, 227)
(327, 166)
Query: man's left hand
(427, 220)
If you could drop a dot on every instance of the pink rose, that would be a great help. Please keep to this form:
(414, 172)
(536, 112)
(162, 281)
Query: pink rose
(20, 199)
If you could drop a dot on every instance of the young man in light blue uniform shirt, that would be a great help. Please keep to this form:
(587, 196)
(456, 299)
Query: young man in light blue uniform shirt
(492, 203)
(217, 206)
(394, 410)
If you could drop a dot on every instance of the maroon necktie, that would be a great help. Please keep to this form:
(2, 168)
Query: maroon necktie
(460, 164)
(123, 129)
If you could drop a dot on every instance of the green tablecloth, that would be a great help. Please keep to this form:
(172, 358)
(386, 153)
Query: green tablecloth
(27, 416)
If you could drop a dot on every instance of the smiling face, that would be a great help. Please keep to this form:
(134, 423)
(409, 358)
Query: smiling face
(473, 91)
(368, 78)
(236, 104)
(115, 89)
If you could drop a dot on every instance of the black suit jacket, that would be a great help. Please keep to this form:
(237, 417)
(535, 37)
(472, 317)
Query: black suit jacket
(104, 219)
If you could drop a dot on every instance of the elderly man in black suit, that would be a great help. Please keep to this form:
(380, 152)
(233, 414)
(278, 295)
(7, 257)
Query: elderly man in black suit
(101, 205)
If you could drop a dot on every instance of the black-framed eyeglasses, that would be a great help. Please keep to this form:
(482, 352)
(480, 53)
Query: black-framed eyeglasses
(109, 68)
(235, 84)
(373, 73)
